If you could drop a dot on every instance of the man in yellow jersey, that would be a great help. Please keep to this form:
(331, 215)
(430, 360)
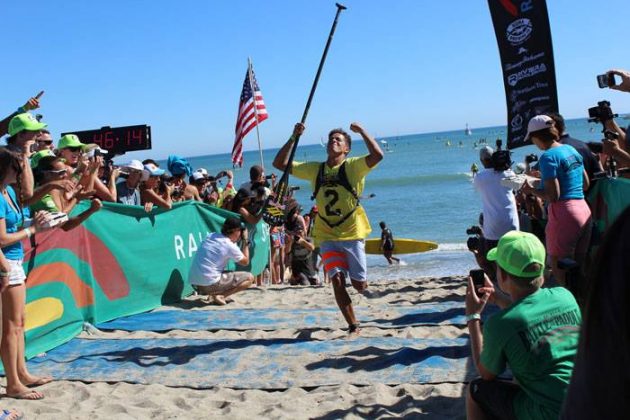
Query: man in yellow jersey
(341, 225)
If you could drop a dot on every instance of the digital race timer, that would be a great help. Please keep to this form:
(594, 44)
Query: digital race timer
(117, 140)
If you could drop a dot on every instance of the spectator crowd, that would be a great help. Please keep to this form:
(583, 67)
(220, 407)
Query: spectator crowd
(536, 248)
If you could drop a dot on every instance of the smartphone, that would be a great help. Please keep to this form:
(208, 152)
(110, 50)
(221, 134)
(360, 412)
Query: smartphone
(606, 80)
(478, 278)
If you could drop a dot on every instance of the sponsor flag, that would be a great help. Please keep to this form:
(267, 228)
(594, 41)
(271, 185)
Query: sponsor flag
(529, 76)
(251, 112)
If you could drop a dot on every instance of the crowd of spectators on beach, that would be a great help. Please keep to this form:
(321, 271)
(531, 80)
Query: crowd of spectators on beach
(538, 235)
(563, 324)
(43, 180)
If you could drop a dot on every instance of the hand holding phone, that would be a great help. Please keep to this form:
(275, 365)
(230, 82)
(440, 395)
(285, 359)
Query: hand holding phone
(479, 279)
(606, 80)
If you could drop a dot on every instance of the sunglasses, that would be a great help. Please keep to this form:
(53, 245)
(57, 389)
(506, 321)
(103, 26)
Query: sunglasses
(56, 172)
(45, 141)
(74, 149)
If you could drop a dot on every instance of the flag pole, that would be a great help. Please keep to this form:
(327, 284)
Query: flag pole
(251, 86)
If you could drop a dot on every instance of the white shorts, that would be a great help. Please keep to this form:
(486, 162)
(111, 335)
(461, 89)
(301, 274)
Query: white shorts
(16, 275)
(347, 257)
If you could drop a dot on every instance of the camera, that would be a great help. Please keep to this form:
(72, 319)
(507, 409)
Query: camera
(601, 113)
(529, 159)
(269, 176)
(606, 80)
(501, 159)
(474, 230)
(474, 242)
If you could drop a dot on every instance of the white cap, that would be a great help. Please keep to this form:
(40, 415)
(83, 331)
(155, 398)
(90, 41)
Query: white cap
(202, 171)
(485, 153)
(197, 175)
(537, 123)
(134, 164)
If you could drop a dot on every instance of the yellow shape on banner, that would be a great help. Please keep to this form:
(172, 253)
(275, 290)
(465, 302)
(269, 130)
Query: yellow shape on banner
(42, 311)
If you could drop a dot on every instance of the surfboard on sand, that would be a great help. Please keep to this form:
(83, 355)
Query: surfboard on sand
(401, 246)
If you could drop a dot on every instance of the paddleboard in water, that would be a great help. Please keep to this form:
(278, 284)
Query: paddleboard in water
(401, 246)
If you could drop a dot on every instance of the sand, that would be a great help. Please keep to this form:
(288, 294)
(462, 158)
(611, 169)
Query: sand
(78, 400)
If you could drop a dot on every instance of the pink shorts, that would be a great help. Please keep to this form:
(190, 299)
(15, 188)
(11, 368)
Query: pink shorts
(568, 229)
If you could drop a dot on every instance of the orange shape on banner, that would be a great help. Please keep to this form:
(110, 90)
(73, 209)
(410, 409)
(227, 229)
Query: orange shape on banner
(62, 272)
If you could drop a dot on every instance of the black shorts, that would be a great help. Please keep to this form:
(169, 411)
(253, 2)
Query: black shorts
(496, 398)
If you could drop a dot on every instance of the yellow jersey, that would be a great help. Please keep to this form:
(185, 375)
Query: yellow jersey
(334, 202)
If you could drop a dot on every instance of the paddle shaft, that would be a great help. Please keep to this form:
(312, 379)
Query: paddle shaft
(284, 180)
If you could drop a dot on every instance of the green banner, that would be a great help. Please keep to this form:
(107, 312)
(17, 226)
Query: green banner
(120, 262)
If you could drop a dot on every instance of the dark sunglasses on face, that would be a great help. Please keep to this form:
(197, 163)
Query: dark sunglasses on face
(74, 149)
(47, 142)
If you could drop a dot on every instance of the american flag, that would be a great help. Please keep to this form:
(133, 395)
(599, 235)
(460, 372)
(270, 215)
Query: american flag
(248, 117)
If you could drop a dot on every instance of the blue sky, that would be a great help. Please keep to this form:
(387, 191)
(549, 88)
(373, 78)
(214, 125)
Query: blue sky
(397, 66)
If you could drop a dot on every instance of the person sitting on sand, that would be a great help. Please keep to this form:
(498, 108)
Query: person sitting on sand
(536, 333)
(387, 243)
(342, 224)
(206, 273)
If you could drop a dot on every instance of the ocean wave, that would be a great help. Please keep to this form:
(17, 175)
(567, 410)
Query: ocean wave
(447, 247)
(419, 179)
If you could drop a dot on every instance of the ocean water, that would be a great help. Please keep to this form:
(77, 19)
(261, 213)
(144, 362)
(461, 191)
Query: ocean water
(422, 190)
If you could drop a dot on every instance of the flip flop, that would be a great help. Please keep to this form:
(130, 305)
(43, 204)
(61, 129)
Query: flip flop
(31, 395)
(39, 382)
(6, 415)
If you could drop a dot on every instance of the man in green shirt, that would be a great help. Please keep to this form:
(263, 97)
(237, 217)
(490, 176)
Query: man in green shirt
(536, 334)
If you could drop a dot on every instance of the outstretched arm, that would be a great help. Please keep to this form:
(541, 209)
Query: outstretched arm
(282, 158)
(375, 153)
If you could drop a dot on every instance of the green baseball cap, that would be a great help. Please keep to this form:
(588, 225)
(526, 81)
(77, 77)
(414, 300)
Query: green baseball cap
(70, 140)
(42, 154)
(516, 251)
(24, 122)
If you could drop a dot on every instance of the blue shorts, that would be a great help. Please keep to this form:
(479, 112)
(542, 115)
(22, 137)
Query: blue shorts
(346, 257)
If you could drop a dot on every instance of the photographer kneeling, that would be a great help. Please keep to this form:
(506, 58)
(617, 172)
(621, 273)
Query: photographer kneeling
(499, 205)
(206, 273)
(536, 333)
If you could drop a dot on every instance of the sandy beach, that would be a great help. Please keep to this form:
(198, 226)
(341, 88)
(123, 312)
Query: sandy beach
(120, 400)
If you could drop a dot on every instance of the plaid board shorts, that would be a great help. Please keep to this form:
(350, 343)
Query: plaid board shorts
(347, 257)
(227, 282)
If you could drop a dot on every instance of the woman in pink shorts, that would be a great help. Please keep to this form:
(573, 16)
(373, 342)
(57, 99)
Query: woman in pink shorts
(563, 182)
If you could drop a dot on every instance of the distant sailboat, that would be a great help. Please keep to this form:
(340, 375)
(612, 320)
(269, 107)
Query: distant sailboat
(386, 146)
(321, 141)
(468, 131)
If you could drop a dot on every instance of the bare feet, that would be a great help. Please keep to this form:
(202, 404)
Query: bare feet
(354, 330)
(24, 393)
(33, 381)
(219, 300)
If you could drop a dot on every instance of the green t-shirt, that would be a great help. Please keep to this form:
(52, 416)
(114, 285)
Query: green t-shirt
(538, 338)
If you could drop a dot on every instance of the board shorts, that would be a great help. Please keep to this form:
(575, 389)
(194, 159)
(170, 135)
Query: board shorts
(496, 397)
(16, 275)
(568, 228)
(346, 257)
(227, 282)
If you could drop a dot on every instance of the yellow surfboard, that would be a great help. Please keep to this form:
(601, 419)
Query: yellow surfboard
(401, 246)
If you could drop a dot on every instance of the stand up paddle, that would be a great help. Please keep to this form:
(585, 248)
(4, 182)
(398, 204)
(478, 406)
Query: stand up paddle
(274, 211)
